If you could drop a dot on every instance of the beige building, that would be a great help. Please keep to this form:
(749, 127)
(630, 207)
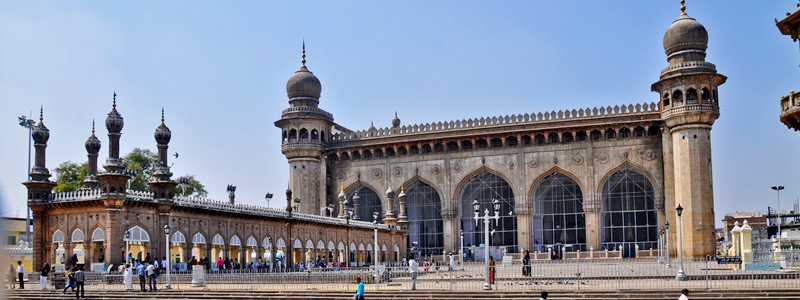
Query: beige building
(15, 247)
(577, 179)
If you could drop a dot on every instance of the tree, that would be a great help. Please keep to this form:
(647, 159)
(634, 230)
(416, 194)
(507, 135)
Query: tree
(142, 163)
(69, 176)
(188, 186)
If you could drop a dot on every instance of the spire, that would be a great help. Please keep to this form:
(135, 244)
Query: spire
(342, 188)
(162, 115)
(41, 114)
(115, 100)
(92, 126)
(304, 53)
(683, 7)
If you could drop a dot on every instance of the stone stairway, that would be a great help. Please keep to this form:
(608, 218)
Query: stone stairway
(736, 294)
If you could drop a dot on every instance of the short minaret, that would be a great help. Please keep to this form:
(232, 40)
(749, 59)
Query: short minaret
(402, 218)
(356, 206)
(162, 185)
(342, 203)
(92, 149)
(390, 218)
(231, 193)
(114, 179)
(689, 106)
(40, 186)
(305, 131)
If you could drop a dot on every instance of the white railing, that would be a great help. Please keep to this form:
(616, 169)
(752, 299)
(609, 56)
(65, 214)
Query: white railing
(82, 194)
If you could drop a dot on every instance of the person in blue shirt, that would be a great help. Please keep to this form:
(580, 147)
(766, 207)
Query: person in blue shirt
(360, 290)
(142, 271)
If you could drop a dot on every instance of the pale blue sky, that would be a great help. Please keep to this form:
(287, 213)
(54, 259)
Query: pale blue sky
(219, 69)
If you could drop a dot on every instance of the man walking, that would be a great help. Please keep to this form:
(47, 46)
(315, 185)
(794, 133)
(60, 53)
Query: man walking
(544, 296)
(412, 268)
(141, 270)
(21, 274)
(360, 290)
(684, 295)
(151, 274)
(79, 279)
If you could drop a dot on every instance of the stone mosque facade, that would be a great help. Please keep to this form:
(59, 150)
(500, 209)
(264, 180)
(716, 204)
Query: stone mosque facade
(583, 179)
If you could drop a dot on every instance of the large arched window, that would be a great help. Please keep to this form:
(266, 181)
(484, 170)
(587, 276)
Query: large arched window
(424, 210)
(629, 212)
(558, 217)
(368, 204)
(486, 187)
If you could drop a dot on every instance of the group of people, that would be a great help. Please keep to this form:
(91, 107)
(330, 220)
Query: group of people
(75, 278)
(147, 271)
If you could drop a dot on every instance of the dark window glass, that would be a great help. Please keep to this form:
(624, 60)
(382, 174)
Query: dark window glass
(424, 210)
(629, 213)
(558, 217)
(485, 187)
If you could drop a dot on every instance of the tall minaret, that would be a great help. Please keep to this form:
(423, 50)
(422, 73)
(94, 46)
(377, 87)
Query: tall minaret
(163, 187)
(39, 189)
(689, 106)
(114, 179)
(92, 148)
(305, 127)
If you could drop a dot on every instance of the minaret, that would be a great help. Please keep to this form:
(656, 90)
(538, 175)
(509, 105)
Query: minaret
(162, 185)
(390, 218)
(39, 189)
(402, 218)
(689, 106)
(304, 127)
(113, 180)
(92, 148)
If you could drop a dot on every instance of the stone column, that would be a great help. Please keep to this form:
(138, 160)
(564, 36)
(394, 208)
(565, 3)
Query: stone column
(593, 231)
(523, 213)
(40, 239)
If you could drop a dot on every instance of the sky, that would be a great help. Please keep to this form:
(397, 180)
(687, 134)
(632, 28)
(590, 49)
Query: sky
(219, 70)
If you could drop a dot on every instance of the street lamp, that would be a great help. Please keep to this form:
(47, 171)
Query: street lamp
(681, 273)
(778, 189)
(127, 245)
(461, 252)
(28, 123)
(169, 255)
(486, 218)
(375, 249)
(661, 245)
(666, 232)
(268, 197)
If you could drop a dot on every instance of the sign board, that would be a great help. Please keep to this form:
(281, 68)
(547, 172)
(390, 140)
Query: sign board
(729, 260)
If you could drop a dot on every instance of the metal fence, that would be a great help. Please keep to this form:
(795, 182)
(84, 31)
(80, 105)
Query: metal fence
(564, 275)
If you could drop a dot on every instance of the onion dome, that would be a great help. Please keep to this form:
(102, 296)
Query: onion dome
(303, 85)
(92, 143)
(114, 120)
(40, 133)
(162, 134)
(685, 34)
(390, 191)
(341, 195)
(402, 194)
(395, 121)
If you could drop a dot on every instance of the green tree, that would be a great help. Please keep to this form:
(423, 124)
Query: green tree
(70, 176)
(142, 163)
(188, 186)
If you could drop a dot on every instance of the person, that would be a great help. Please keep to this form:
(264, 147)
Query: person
(360, 290)
(70, 281)
(79, 279)
(126, 277)
(412, 268)
(194, 260)
(21, 274)
(526, 264)
(74, 260)
(684, 295)
(10, 276)
(141, 270)
(405, 263)
(164, 262)
(491, 269)
(45, 272)
(544, 296)
(452, 262)
(151, 274)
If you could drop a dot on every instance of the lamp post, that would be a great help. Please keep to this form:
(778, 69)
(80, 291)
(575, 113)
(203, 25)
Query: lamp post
(660, 245)
(461, 251)
(486, 220)
(268, 197)
(666, 246)
(778, 189)
(348, 215)
(375, 249)
(127, 245)
(169, 255)
(681, 273)
(28, 123)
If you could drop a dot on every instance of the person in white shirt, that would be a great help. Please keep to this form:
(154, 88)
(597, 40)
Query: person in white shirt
(452, 262)
(164, 263)
(127, 277)
(404, 262)
(151, 274)
(684, 295)
(412, 268)
(21, 274)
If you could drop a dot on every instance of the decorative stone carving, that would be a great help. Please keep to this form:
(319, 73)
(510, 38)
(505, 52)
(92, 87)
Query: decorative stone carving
(533, 163)
(577, 159)
(602, 157)
(397, 171)
(436, 169)
(555, 160)
(511, 163)
(649, 154)
(377, 173)
(457, 167)
(341, 175)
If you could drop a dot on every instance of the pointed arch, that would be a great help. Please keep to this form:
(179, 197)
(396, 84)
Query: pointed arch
(360, 247)
(297, 244)
(352, 246)
(422, 179)
(558, 216)
(218, 240)
(309, 244)
(629, 214)
(98, 235)
(550, 172)
(58, 236)
(485, 187)
(178, 237)
(331, 246)
(628, 164)
(139, 234)
(424, 211)
(280, 243)
(198, 238)
(251, 242)
(466, 178)
(340, 246)
(371, 201)
(235, 241)
(77, 236)
(369, 247)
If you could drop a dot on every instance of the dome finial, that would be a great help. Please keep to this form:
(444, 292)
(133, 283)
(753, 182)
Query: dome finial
(115, 100)
(92, 126)
(41, 114)
(304, 53)
(162, 115)
(683, 7)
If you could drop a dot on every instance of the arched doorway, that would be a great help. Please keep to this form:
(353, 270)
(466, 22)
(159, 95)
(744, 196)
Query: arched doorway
(98, 249)
(558, 217)
(236, 249)
(59, 252)
(424, 211)
(629, 212)
(77, 239)
(485, 187)
(217, 244)
(250, 255)
(177, 250)
(198, 246)
(369, 202)
(139, 242)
